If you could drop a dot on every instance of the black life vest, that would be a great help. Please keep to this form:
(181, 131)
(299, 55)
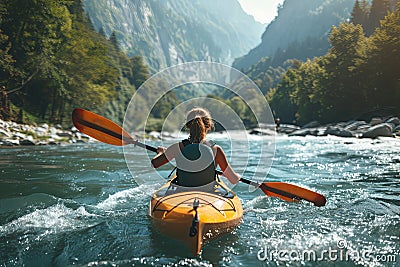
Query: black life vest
(195, 164)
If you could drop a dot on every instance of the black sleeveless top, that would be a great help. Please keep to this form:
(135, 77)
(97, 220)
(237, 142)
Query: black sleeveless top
(195, 164)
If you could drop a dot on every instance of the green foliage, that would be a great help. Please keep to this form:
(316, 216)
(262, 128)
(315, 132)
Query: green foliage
(369, 16)
(360, 12)
(52, 60)
(300, 31)
(358, 74)
(378, 11)
(264, 75)
(7, 62)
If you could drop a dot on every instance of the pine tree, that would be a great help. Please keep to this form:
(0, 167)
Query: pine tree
(357, 15)
(379, 10)
(114, 41)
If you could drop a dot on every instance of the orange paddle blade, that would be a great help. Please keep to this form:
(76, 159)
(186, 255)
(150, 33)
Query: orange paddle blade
(292, 193)
(100, 128)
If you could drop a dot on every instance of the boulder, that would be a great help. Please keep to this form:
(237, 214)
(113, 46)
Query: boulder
(26, 142)
(10, 142)
(305, 132)
(65, 134)
(363, 128)
(312, 124)
(288, 128)
(4, 133)
(394, 120)
(55, 137)
(338, 131)
(52, 130)
(80, 136)
(45, 126)
(375, 121)
(259, 131)
(19, 135)
(354, 125)
(52, 141)
(382, 129)
(40, 131)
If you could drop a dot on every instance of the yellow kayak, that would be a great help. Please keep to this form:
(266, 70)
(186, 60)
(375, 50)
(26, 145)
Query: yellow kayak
(195, 215)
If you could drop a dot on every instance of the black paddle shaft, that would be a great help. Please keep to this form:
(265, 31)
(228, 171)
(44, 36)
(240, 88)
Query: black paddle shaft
(130, 140)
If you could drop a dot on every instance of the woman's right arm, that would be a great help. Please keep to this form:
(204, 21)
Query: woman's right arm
(227, 170)
(165, 155)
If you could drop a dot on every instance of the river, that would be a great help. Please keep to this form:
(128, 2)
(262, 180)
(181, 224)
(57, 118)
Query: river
(79, 205)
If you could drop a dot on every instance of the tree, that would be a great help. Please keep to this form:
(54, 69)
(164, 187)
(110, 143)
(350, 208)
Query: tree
(379, 10)
(359, 14)
(280, 98)
(347, 53)
(37, 31)
(114, 41)
(140, 72)
(7, 68)
(383, 63)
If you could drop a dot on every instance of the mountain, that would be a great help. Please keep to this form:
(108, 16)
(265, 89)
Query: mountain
(300, 30)
(168, 32)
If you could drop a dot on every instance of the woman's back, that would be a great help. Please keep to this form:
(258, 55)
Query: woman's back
(196, 158)
(195, 164)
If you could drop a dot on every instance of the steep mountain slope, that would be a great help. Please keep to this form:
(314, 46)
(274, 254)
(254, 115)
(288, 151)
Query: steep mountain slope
(305, 24)
(174, 31)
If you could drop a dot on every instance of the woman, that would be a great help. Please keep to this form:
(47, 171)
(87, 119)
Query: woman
(193, 152)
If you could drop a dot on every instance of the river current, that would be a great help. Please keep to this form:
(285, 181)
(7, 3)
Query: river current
(79, 205)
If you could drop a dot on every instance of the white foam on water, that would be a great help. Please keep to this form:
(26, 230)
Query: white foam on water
(127, 198)
(54, 219)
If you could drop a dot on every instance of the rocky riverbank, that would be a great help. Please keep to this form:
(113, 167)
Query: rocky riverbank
(15, 134)
(377, 127)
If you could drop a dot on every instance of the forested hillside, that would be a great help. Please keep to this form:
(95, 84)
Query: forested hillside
(300, 31)
(52, 60)
(359, 74)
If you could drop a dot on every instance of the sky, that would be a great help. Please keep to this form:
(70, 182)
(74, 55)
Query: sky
(263, 11)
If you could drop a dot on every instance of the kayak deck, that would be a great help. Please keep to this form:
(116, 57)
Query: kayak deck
(195, 215)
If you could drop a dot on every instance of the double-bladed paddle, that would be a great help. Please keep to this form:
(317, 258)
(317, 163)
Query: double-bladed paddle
(106, 131)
